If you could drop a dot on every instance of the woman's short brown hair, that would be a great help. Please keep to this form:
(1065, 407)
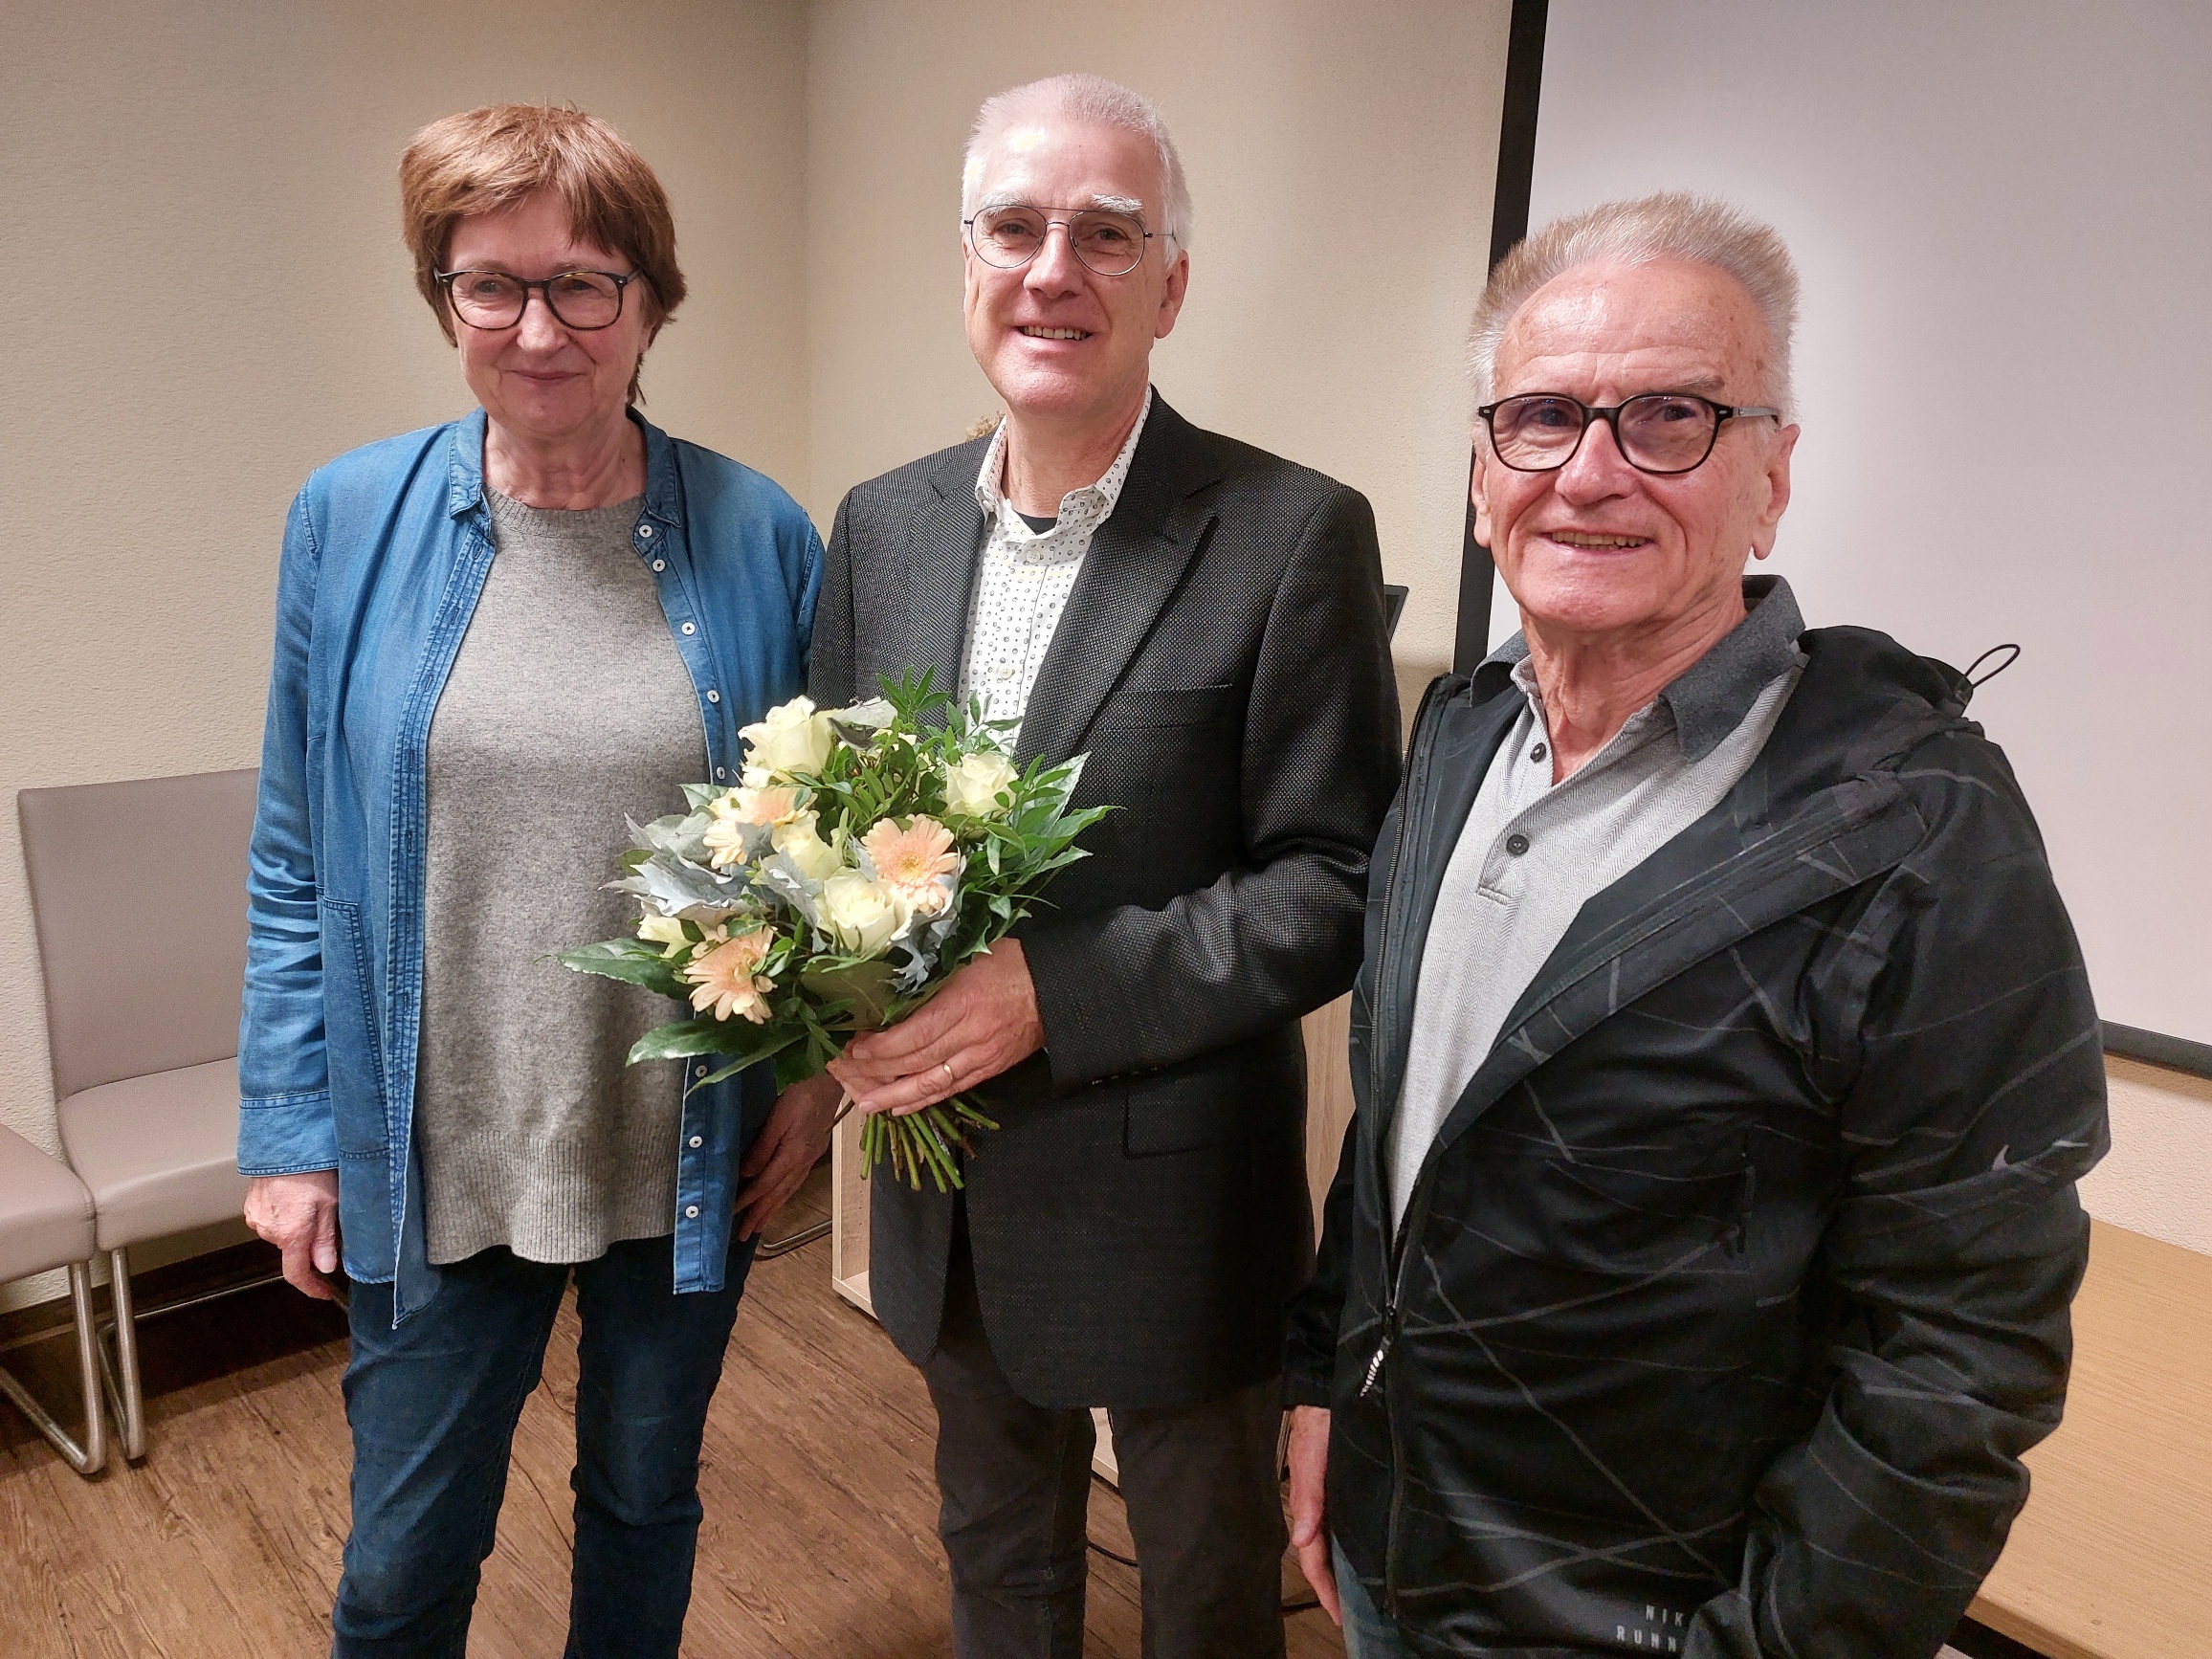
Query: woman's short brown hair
(485, 160)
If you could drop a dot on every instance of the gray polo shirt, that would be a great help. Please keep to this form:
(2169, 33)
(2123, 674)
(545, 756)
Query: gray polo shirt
(1533, 852)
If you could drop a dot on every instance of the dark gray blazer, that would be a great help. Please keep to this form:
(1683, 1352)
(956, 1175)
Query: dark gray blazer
(1140, 1220)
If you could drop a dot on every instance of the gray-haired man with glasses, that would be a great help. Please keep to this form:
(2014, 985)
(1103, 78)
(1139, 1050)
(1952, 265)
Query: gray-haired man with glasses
(1205, 623)
(1698, 1265)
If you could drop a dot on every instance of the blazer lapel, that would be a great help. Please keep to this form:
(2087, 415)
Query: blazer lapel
(929, 625)
(1133, 565)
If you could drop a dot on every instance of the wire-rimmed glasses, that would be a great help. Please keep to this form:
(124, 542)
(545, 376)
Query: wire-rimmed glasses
(584, 301)
(1109, 243)
(1656, 431)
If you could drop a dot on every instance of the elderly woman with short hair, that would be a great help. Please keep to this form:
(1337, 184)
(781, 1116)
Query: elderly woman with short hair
(495, 639)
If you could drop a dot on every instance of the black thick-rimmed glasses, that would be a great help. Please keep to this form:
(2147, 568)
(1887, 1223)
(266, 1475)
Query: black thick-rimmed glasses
(1109, 243)
(581, 299)
(1658, 431)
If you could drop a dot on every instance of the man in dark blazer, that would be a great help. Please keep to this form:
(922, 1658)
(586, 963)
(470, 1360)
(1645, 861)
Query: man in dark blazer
(1205, 622)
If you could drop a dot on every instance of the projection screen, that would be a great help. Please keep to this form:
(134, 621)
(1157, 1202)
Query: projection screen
(2002, 214)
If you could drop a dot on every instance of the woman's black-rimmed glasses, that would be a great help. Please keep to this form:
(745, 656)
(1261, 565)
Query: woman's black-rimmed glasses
(1658, 431)
(1109, 244)
(579, 299)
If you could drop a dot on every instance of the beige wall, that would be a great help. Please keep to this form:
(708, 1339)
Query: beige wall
(1341, 159)
(2154, 1181)
(211, 299)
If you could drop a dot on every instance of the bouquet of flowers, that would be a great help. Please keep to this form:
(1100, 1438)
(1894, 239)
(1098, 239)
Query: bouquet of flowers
(864, 856)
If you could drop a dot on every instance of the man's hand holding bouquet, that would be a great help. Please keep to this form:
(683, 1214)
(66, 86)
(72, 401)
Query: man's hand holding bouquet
(864, 856)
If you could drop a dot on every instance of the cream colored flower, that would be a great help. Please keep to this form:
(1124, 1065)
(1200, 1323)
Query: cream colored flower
(909, 861)
(800, 840)
(665, 931)
(862, 916)
(728, 979)
(792, 738)
(972, 789)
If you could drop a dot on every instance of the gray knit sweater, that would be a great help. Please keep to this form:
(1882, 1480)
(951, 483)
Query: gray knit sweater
(567, 708)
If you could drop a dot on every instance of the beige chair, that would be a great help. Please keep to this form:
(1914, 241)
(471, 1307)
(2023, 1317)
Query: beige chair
(46, 1222)
(140, 894)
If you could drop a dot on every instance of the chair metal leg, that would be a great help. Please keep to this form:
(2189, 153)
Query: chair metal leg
(90, 1457)
(128, 1397)
(770, 1248)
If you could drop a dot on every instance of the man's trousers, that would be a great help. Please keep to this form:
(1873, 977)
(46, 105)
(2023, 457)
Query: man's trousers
(1199, 1481)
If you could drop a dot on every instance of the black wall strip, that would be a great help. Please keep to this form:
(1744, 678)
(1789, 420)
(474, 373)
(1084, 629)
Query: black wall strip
(1508, 223)
(2156, 1049)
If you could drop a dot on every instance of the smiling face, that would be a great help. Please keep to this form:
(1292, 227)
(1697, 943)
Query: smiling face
(546, 384)
(1598, 547)
(1057, 340)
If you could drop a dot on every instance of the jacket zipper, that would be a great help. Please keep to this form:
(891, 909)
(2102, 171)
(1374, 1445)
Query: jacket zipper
(1411, 842)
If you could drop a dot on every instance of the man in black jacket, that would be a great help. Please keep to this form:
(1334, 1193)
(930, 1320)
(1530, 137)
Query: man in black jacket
(1698, 1265)
(1205, 622)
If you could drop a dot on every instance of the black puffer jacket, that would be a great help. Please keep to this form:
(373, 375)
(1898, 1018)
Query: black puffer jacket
(1737, 1282)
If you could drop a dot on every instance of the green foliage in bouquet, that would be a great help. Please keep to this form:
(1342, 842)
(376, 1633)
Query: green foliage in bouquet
(865, 854)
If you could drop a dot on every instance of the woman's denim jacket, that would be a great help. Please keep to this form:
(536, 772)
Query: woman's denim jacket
(384, 554)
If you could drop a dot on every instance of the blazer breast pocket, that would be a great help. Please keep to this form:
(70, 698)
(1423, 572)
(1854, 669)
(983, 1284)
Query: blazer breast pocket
(1153, 710)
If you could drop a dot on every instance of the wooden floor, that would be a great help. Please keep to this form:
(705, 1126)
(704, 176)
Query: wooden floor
(819, 1540)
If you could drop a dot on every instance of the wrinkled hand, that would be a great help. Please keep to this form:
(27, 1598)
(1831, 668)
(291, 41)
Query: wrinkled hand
(790, 1144)
(1309, 1459)
(299, 1214)
(982, 1022)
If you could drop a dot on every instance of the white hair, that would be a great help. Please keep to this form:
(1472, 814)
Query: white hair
(1670, 226)
(1094, 101)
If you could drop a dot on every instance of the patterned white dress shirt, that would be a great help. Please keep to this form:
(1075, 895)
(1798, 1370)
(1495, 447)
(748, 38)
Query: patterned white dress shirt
(1023, 578)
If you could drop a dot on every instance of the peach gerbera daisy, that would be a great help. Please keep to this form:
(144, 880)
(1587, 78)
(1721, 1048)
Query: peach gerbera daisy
(909, 861)
(726, 978)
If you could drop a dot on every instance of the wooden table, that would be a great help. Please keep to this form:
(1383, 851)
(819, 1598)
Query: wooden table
(2112, 1557)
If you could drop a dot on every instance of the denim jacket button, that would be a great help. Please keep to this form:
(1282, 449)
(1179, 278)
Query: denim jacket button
(645, 529)
(720, 773)
(691, 1212)
(698, 1140)
(690, 628)
(660, 564)
(714, 696)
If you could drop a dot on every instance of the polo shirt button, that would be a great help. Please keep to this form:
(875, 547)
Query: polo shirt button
(691, 1212)
(1539, 752)
(1516, 845)
(688, 627)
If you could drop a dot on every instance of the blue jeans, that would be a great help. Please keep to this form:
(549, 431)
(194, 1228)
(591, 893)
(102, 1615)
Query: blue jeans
(1368, 1635)
(433, 1407)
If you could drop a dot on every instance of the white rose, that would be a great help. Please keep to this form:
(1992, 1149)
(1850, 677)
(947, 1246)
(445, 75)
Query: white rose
(800, 840)
(792, 738)
(972, 789)
(863, 916)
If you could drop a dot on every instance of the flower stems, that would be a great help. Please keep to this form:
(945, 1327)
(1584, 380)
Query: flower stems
(922, 1142)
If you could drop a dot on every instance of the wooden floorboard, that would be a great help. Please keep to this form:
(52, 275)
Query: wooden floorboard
(819, 1543)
